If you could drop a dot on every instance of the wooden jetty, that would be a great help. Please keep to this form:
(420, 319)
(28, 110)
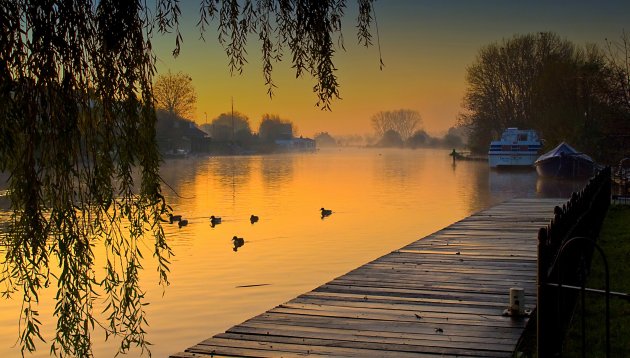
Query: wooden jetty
(443, 295)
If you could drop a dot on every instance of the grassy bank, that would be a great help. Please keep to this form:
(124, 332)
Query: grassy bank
(615, 241)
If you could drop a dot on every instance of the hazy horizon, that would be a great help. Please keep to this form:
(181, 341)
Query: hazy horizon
(426, 47)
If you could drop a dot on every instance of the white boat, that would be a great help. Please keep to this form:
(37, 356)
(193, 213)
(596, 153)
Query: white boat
(516, 148)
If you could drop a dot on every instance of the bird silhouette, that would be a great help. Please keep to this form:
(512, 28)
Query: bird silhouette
(182, 222)
(325, 212)
(238, 242)
(172, 218)
(253, 219)
(214, 220)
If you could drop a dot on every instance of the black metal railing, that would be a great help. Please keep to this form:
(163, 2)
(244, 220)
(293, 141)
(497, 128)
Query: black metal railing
(564, 260)
(621, 182)
(584, 269)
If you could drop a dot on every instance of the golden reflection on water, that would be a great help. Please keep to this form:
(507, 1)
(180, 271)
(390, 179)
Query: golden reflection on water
(381, 201)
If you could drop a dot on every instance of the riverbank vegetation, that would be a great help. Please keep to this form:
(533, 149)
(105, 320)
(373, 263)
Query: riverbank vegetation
(615, 241)
(577, 94)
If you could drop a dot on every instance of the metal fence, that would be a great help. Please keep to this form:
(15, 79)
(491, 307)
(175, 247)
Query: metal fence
(565, 249)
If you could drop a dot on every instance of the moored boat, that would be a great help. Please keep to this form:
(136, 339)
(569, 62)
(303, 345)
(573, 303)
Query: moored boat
(565, 162)
(516, 148)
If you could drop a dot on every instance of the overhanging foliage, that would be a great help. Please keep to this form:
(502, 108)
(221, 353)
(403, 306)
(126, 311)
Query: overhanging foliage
(77, 128)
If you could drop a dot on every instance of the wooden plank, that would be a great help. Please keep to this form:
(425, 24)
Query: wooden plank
(264, 346)
(427, 313)
(462, 268)
(350, 298)
(370, 347)
(189, 355)
(480, 285)
(441, 295)
(397, 292)
(464, 287)
(430, 338)
(271, 319)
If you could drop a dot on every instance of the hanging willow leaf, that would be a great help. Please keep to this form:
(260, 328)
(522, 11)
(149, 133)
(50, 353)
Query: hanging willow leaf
(77, 135)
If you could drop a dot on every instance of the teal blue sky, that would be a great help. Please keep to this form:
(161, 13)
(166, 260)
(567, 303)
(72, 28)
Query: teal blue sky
(426, 47)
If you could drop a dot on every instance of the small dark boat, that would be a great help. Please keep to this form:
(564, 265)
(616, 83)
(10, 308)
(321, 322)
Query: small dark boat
(564, 162)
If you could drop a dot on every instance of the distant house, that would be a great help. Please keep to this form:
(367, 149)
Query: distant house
(179, 137)
(296, 145)
(198, 140)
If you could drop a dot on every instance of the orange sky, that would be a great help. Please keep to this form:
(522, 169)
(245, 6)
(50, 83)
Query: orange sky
(426, 46)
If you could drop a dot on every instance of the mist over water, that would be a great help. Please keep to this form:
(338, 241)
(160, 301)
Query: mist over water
(382, 199)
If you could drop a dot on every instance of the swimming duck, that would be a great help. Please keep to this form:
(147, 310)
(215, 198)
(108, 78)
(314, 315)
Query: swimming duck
(253, 219)
(214, 220)
(325, 212)
(172, 218)
(238, 242)
(182, 222)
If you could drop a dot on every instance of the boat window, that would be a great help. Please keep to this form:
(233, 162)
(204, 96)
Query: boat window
(522, 137)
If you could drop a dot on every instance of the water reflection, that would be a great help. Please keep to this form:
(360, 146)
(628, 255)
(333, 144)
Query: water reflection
(379, 203)
(230, 172)
(277, 170)
(179, 176)
(527, 183)
(558, 188)
(512, 183)
(396, 166)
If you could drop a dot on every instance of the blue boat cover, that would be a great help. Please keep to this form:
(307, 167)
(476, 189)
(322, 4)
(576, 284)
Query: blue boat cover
(563, 149)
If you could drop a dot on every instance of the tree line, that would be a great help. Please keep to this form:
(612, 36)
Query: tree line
(235, 128)
(577, 94)
(175, 100)
(228, 133)
(402, 128)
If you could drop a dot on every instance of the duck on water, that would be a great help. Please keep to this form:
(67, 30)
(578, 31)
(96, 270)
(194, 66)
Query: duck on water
(214, 220)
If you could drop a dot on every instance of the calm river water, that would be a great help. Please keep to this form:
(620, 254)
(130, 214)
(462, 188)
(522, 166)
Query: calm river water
(381, 199)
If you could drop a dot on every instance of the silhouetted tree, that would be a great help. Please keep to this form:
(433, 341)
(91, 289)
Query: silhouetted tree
(175, 93)
(229, 126)
(403, 121)
(272, 128)
(323, 139)
(420, 138)
(619, 60)
(391, 138)
(77, 123)
(616, 133)
(351, 140)
(452, 140)
(537, 81)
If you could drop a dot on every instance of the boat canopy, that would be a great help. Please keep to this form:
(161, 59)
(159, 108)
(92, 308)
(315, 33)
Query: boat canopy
(561, 150)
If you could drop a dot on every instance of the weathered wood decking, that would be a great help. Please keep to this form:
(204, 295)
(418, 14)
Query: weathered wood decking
(443, 295)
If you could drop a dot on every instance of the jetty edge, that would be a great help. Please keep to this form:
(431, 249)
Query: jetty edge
(445, 294)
